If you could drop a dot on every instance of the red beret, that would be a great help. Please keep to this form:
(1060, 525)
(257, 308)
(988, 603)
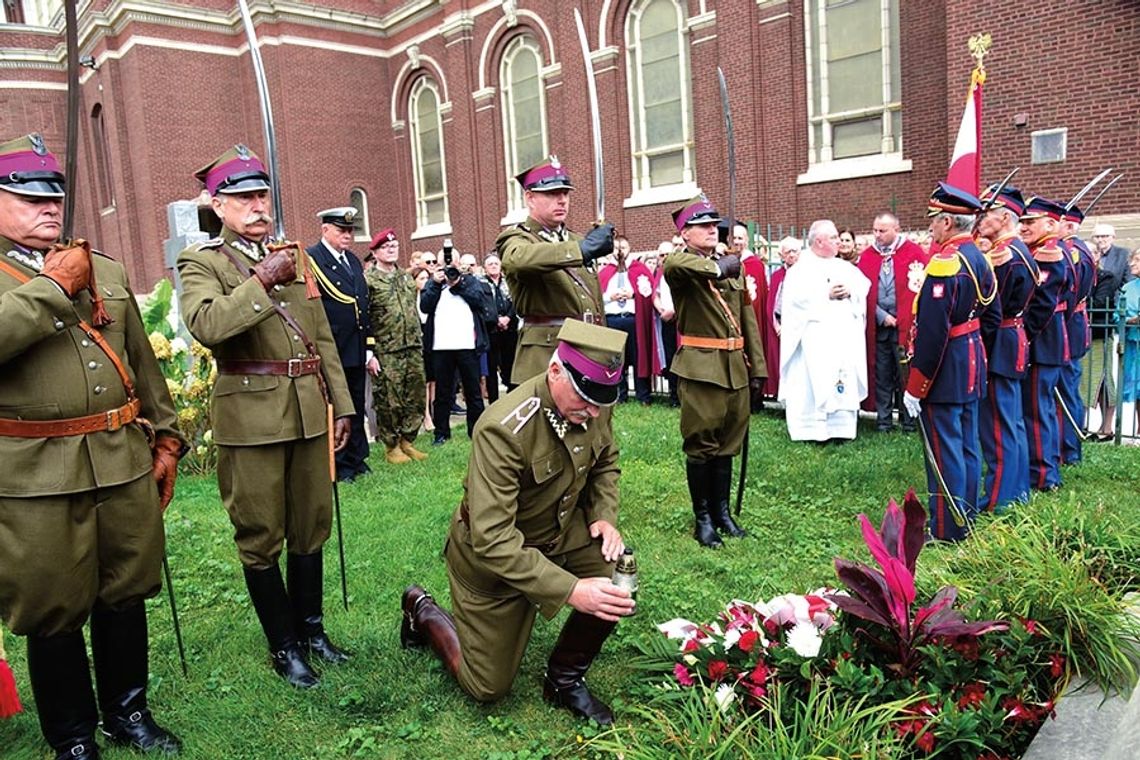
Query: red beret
(380, 238)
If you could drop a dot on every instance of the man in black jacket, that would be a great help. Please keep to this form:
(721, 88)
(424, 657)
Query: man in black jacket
(504, 333)
(455, 304)
(344, 294)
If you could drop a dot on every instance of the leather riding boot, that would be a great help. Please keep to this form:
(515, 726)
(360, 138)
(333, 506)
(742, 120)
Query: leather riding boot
(720, 490)
(565, 682)
(119, 649)
(698, 474)
(425, 622)
(61, 685)
(304, 574)
(267, 591)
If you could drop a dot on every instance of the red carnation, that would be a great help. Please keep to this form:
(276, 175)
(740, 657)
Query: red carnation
(717, 669)
(748, 641)
(1056, 665)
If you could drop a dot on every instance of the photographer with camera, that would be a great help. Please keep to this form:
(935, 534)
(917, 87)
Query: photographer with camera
(455, 304)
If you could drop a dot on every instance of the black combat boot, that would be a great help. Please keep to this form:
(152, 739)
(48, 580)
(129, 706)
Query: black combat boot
(720, 488)
(565, 683)
(119, 648)
(699, 475)
(267, 591)
(61, 685)
(305, 576)
(425, 622)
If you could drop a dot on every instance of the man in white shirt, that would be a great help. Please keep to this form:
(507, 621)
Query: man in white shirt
(823, 370)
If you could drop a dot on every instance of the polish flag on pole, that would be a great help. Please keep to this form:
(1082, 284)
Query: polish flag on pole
(965, 170)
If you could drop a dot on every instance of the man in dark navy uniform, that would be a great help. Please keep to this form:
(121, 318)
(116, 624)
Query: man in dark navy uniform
(1001, 422)
(344, 294)
(1046, 327)
(1071, 409)
(948, 368)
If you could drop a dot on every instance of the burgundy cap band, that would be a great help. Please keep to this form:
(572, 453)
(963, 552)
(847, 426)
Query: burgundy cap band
(589, 369)
(694, 211)
(222, 172)
(28, 161)
(541, 174)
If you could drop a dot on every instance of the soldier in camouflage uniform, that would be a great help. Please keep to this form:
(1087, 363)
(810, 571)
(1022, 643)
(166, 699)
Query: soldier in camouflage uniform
(548, 268)
(398, 386)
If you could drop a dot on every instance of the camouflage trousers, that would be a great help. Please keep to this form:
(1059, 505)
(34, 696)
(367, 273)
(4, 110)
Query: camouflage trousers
(399, 395)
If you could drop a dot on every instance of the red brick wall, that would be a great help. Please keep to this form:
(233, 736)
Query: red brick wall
(168, 112)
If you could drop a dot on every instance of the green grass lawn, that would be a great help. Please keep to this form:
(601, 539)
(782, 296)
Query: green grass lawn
(800, 507)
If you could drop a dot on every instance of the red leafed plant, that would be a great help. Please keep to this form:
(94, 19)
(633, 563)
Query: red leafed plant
(886, 596)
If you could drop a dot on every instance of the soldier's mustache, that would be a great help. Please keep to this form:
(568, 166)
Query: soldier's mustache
(258, 217)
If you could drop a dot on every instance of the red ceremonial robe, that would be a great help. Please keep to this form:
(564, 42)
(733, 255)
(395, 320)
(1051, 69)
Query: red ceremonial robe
(641, 280)
(756, 280)
(909, 265)
(772, 339)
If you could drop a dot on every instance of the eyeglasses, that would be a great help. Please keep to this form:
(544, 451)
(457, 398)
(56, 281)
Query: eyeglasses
(427, 261)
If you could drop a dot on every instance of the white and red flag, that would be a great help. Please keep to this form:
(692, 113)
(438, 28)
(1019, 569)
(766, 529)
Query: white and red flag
(965, 171)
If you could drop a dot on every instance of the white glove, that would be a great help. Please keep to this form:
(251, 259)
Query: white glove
(912, 404)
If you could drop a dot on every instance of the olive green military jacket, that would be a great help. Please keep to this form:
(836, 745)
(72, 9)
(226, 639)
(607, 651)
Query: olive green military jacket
(546, 279)
(392, 307)
(230, 313)
(50, 369)
(701, 313)
(530, 496)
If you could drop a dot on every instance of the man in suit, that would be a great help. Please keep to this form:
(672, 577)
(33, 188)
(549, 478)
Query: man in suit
(87, 431)
(259, 311)
(894, 265)
(344, 293)
(719, 359)
(536, 531)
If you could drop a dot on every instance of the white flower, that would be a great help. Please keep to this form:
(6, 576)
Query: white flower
(677, 628)
(731, 636)
(724, 695)
(804, 639)
(178, 346)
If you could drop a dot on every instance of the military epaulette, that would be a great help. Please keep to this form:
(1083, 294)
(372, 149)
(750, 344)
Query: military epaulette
(522, 414)
(944, 266)
(211, 243)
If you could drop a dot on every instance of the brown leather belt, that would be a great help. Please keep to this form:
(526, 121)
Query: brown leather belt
(108, 421)
(1012, 322)
(723, 344)
(970, 326)
(550, 321)
(545, 548)
(285, 367)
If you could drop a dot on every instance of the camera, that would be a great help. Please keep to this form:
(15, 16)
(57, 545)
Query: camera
(450, 271)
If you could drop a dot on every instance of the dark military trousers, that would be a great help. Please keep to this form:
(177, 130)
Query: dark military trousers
(714, 419)
(62, 553)
(399, 395)
(350, 459)
(494, 629)
(277, 493)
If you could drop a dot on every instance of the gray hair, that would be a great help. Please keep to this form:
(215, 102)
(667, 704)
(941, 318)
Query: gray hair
(960, 222)
(791, 244)
(816, 229)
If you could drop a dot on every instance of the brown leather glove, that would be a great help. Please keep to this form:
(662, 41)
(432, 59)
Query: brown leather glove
(167, 451)
(69, 267)
(729, 266)
(342, 429)
(277, 268)
(756, 389)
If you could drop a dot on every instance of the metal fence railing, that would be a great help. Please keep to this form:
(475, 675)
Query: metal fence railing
(1103, 388)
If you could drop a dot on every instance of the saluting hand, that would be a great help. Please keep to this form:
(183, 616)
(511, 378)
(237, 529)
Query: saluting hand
(342, 429)
(601, 598)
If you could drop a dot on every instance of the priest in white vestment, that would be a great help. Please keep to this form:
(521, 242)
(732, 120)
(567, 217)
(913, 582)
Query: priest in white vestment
(823, 350)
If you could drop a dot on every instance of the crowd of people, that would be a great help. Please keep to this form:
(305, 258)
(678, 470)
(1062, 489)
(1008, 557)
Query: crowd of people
(974, 340)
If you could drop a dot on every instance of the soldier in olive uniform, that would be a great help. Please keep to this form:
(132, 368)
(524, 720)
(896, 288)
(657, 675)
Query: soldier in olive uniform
(719, 357)
(548, 268)
(535, 531)
(261, 315)
(87, 430)
(398, 384)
